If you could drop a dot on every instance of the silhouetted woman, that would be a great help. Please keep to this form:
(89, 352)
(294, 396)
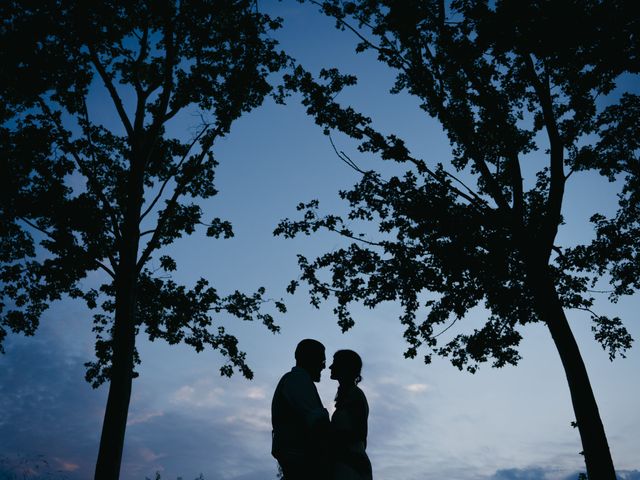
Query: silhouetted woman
(349, 421)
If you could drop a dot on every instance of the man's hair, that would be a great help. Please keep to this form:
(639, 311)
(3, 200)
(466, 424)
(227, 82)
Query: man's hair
(308, 349)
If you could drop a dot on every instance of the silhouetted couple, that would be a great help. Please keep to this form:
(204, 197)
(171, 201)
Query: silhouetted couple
(307, 445)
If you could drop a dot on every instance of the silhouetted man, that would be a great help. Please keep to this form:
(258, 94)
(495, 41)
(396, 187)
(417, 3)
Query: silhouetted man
(299, 420)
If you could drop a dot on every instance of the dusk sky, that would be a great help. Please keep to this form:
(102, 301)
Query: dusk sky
(426, 422)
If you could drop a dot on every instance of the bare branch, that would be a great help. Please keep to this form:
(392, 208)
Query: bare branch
(516, 187)
(366, 41)
(108, 83)
(160, 116)
(352, 237)
(36, 227)
(558, 179)
(110, 272)
(474, 200)
(477, 197)
(141, 94)
(586, 309)
(447, 328)
(345, 158)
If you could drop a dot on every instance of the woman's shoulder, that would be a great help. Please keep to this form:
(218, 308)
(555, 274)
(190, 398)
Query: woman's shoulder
(360, 394)
(356, 396)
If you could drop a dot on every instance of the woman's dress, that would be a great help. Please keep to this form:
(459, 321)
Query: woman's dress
(349, 426)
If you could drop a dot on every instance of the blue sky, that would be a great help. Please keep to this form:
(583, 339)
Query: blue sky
(425, 422)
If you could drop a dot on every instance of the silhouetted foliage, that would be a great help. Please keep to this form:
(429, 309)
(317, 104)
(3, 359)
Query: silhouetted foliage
(512, 87)
(98, 183)
(616, 248)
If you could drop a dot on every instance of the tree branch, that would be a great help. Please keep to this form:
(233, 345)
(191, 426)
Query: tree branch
(366, 41)
(97, 189)
(488, 100)
(169, 177)
(345, 158)
(160, 116)
(558, 179)
(108, 83)
(105, 268)
(49, 235)
(141, 94)
(36, 227)
(171, 204)
(517, 188)
(352, 237)
(91, 178)
(447, 328)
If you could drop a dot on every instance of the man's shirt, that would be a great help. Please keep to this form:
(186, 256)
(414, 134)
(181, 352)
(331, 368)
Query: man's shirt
(296, 414)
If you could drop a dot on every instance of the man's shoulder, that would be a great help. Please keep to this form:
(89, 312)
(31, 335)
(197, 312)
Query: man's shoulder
(299, 374)
(296, 377)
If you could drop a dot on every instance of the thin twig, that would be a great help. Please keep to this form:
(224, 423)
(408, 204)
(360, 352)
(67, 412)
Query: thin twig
(345, 158)
(450, 325)
(352, 237)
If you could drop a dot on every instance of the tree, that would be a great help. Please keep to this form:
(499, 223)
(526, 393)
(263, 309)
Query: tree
(513, 88)
(79, 195)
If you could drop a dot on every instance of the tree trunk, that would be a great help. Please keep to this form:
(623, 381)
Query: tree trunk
(124, 336)
(115, 416)
(594, 440)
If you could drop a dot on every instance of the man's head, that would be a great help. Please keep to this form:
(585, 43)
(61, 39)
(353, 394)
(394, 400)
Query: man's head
(310, 356)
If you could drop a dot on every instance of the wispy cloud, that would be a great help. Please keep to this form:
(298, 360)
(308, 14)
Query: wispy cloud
(200, 395)
(142, 417)
(256, 393)
(256, 419)
(417, 387)
(66, 465)
(149, 455)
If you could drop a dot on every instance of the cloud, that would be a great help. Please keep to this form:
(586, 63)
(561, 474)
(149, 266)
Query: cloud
(417, 387)
(256, 393)
(629, 475)
(201, 395)
(221, 427)
(149, 455)
(135, 418)
(531, 473)
(179, 444)
(550, 473)
(47, 410)
(256, 419)
(67, 466)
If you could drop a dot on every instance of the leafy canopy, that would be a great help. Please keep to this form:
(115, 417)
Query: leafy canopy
(91, 169)
(515, 91)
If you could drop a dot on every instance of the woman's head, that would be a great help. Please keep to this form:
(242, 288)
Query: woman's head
(346, 367)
